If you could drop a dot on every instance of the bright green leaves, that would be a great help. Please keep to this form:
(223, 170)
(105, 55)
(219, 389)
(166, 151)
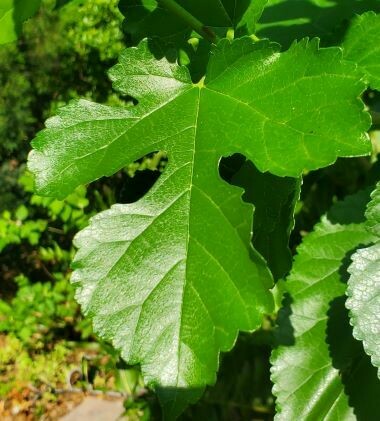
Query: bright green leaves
(12, 15)
(160, 276)
(171, 279)
(257, 94)
(364, 286)
(322, 372)
(362, 45)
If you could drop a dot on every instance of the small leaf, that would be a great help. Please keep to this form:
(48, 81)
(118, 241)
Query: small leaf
(364, 300)
(12, 15)
(362, 46)
(373, 212)
(352, 209)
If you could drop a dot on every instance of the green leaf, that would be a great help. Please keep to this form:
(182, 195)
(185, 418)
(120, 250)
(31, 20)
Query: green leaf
(274, 199)
(364, 286)
(364, 300)
(249, 103)
(362, 46)
(352, 209)
(147, 18)
(373, 212)
(286, 20)
(171, 279)
(12, 15)
(322, 372)
(249, 15)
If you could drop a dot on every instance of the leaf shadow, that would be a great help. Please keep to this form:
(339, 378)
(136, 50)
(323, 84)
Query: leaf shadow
(284, 330)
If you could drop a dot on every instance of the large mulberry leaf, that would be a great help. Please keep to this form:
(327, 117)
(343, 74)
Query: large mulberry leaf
(172, 278)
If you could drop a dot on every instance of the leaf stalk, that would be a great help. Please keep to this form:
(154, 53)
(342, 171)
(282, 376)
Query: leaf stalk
(191, 20)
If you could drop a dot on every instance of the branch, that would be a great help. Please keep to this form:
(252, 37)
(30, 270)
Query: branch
(187, 17)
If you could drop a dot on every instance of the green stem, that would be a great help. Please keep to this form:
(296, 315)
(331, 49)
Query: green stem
(187, 17)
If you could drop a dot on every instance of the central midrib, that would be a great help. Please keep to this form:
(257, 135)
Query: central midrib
(188, 234)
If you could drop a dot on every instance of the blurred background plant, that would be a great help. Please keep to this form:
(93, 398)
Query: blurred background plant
(48, 353)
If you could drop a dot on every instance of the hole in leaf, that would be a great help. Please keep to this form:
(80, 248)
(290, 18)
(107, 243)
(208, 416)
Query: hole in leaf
(274, 200)
(129, 184)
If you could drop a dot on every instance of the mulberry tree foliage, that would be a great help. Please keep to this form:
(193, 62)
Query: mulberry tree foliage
(171, 279)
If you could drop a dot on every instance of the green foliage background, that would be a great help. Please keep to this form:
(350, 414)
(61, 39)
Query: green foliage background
(63, 54)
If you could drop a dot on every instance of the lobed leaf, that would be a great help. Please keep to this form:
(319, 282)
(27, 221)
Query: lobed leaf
(160, 276)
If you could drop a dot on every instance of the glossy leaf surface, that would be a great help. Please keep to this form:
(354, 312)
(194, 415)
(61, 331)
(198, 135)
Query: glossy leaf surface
(249, 103)
(172, 278)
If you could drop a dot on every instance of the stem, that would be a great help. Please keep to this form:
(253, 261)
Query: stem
(187, 17)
